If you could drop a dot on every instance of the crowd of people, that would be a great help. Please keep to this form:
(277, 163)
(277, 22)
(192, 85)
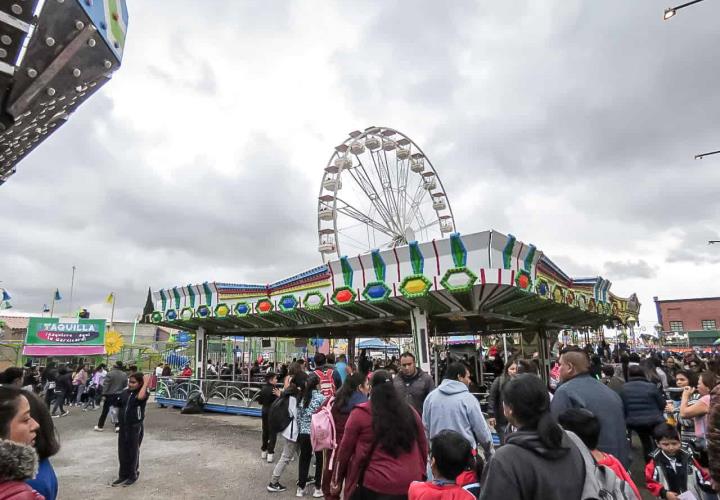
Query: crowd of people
(388, 432)
(29, 400)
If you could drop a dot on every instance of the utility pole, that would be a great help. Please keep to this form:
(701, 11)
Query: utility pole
(72, 286)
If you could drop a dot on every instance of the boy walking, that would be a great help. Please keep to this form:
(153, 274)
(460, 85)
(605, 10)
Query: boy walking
(672, 469)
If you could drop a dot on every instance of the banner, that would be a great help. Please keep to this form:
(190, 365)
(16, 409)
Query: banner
(65, 337)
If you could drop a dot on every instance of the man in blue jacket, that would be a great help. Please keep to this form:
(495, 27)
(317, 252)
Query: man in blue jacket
(451, 406)
(580, 390)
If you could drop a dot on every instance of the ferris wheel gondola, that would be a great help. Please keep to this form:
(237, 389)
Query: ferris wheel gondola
(379, 190)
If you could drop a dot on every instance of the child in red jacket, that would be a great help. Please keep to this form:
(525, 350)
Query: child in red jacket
(587, 427)
(450, 455)
(672, 469)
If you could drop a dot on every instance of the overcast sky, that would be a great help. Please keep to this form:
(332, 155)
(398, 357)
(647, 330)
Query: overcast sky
(571, 125)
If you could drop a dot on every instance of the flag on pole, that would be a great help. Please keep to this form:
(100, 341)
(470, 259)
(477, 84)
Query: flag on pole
(57, 295)
(5, 295)
(46, 309)
(110, 298)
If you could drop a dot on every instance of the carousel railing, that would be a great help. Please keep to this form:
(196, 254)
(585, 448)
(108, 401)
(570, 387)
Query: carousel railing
(225, 396)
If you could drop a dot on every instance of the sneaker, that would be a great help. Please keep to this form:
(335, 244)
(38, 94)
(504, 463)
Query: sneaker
(270, 457)
(65, 413)
(300, 492)
(130, 482)
(55, 416)
(276, 487)
(118, 482)
(98, 429)
(263, 454)
(117, 429)
(318, 493)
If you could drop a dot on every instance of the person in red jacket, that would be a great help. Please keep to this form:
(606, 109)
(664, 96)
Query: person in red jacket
(353, 392)
(451, 453)
(384, 448)
(587, 427)
(18, 459)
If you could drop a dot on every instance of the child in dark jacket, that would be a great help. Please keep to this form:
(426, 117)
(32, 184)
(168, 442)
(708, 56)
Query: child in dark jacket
(268, 394)
(451, 454)
(672, 469)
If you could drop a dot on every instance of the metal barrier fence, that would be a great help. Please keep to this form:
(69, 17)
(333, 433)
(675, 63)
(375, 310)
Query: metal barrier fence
(226, 396)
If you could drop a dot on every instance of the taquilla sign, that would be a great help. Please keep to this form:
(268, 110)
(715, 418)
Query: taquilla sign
(56, 331)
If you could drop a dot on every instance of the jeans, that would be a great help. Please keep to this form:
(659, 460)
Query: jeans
(90, 401)
(59, 402)
(268, 438)
(645, 433)
(80, 391)
(306, 452)
(289, 451)
(110, 400)
(129, 440)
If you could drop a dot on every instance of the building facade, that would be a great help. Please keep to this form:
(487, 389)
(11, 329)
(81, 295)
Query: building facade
(699, 318)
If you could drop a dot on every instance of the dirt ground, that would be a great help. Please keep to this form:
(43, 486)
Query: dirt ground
(209, 456)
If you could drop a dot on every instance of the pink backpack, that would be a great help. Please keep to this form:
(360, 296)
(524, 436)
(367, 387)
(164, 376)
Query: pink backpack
(322, 428)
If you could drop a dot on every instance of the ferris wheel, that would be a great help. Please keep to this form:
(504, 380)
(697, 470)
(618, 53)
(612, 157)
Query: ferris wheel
(379, 190)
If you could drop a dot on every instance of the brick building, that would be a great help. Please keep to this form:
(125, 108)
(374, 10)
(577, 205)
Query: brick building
(698, 317)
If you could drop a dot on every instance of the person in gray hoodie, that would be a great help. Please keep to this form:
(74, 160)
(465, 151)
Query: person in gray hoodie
(452, 407)
(113, 385)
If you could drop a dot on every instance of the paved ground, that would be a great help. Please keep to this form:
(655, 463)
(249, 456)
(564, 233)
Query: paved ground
(182, 457)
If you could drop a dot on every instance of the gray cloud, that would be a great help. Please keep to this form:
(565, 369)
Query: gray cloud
(629, 269)
(593, 109)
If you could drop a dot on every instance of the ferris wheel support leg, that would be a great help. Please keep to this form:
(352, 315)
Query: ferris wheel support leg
(421, 340)
(200, 343)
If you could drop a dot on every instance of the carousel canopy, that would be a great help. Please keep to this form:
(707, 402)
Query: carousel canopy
(485, 282)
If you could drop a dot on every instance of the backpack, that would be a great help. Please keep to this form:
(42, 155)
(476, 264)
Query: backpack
(279, 414)
(322, 428)
(601, 483)
(327, 384)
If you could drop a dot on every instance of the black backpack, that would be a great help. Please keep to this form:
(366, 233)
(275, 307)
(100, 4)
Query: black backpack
(279, 414)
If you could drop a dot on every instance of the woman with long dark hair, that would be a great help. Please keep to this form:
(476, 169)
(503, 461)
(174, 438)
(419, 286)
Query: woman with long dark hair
(47, 444)
(18, 459)
(352, 393)
(384, 448)
(542, 463)
(309, 402)
(495, 408)
(131, 429)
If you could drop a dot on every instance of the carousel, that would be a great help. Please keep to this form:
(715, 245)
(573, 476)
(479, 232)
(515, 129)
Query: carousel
(394, 265)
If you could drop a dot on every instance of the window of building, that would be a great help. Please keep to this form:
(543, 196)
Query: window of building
(708, 324)
(676, 326)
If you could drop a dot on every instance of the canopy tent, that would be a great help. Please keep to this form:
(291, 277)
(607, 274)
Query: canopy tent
(378, 345)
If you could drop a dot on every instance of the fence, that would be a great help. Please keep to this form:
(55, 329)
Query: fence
(224, 396)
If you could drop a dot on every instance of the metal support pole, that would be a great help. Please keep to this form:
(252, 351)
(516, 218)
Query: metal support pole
(200, 353)
(544, 354)
(419, 323)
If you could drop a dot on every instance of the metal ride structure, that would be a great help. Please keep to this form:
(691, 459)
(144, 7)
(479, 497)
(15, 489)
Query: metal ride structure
(54, 54)
(379, 190)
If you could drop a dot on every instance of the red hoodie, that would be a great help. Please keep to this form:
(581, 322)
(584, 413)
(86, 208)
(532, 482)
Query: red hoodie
(432, 491)
(384, 473)
(614, 464)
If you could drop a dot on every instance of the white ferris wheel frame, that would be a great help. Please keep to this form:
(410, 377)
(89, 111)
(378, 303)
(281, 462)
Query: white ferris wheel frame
(345, 158)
